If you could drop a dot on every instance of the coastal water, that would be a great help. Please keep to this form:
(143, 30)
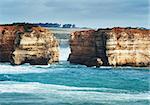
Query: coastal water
(69, 84)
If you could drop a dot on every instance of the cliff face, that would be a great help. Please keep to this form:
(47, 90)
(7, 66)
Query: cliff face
(128, 47)
(82, 44)
(7, 37)
(27, 44)
(115, 47)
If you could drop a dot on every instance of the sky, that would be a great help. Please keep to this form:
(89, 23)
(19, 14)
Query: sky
(83, 13)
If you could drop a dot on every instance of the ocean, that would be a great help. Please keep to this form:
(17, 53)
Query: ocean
(69, 84)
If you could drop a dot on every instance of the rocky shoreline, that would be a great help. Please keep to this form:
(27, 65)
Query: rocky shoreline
(27, 43)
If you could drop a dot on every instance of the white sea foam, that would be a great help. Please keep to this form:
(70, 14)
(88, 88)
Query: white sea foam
(70, 93)
(8, 69)
(64, 53)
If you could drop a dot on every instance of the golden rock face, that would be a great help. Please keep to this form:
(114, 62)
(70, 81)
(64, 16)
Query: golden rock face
(115, 47)
(28, 44)
(128, 47)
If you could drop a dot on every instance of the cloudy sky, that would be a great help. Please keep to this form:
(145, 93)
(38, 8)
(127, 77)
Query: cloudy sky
(89, 13)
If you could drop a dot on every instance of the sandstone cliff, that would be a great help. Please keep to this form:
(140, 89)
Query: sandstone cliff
(27, 44)
(82, 44)
(115, 47)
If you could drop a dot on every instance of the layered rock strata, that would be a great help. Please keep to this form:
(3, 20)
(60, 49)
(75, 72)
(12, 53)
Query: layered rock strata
(112, 47)
(27, 44)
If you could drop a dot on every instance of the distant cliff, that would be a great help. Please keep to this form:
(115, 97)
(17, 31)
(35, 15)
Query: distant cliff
(26, 43)
(112, 47)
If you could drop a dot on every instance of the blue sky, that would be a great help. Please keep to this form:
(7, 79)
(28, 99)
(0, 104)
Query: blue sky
(89, 13)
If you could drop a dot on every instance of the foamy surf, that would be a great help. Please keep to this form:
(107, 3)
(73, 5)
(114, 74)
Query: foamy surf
(68, 84)
(9, 69)
(73, 93)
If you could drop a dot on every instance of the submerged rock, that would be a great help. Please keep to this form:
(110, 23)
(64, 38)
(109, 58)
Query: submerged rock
(115, 47)
(27, 44)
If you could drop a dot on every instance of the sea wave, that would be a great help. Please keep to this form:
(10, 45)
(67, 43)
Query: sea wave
(73, 93)
(23, 69)
(6, 68)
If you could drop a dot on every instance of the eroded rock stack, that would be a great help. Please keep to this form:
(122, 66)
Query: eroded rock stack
(115, 47)
(27, 44)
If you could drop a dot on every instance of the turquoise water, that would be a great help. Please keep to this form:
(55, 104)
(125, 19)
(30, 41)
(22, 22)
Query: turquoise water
(67, 84)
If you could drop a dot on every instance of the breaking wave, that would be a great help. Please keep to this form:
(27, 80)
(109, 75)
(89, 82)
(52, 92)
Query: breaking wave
(50, 91)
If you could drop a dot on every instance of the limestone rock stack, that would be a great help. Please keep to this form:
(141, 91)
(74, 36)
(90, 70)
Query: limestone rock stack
(115, 47)
(28, 44)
